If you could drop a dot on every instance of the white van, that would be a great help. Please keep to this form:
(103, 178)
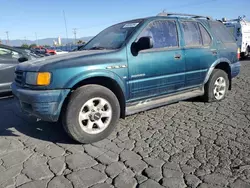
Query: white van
(240, 29)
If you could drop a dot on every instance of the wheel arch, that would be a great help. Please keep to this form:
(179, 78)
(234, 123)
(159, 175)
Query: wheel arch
(108, 80)
(223, 64)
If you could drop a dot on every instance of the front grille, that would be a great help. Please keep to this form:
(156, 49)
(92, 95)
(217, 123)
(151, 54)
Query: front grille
(19, 77)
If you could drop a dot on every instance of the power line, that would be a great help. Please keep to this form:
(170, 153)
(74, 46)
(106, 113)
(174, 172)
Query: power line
(164, 10)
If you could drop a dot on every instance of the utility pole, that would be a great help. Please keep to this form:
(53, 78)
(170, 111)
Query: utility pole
(7, 34)
(74, 31)
(36, 39)
(65, 23)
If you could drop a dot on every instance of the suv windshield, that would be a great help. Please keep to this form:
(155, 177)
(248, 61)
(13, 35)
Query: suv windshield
(113, 37)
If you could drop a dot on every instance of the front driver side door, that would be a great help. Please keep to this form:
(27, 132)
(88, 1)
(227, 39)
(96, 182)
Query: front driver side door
(160, 70)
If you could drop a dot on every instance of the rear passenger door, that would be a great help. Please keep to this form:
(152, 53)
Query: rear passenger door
(199, 52)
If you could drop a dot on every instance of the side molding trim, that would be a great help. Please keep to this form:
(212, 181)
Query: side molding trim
(163, 100)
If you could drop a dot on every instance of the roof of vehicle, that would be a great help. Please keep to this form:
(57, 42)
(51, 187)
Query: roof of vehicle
(172, 15)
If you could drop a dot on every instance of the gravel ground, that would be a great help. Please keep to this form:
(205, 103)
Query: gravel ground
(187, 144)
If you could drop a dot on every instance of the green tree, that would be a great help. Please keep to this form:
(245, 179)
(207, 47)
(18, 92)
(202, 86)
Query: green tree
(80, 42)
(25, 46)
(33, 45)
(46, 46)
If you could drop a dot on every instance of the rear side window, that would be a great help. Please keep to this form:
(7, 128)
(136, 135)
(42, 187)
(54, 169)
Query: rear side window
(163, 32)
(221, 32)
(192, 34)
(206, 39)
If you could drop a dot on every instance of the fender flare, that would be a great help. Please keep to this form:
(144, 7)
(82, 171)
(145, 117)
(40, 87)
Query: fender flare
(214, 64)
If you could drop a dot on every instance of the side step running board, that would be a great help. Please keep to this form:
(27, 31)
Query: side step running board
(157, 102)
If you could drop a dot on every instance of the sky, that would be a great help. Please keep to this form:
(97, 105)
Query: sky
(24, 19)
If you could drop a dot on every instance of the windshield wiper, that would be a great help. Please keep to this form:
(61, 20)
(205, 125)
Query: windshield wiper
(98, 48)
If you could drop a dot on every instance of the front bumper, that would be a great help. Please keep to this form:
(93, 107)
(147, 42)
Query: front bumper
(43, 104)
(235, 69)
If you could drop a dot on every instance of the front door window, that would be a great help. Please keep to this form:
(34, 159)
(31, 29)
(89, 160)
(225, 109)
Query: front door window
(163, 32)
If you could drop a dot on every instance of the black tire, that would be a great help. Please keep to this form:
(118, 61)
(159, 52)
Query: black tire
(76, 101)
(242, 56)
(209, 95)
(247, 52)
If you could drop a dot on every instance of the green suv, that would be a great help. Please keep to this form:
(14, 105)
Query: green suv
(128, 68)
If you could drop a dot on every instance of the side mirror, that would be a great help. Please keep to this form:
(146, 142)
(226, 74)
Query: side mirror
(22, 59)
(143, 43)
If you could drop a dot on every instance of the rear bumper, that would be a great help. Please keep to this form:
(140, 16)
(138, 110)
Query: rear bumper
(235, 69)
(43, 104)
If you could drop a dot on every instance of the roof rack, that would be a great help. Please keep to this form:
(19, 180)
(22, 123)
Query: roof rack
(181, 14)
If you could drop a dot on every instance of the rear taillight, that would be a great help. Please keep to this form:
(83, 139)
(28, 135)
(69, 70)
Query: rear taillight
(238, 54)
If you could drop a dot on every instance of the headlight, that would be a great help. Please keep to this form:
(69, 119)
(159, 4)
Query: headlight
(31, 78)
(38, 78)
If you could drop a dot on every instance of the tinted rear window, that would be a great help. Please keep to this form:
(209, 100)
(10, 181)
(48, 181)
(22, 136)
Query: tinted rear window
(206, 39)
(221, 32)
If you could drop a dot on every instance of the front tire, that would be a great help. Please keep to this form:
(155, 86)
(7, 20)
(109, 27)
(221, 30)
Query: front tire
(217, 86)
(91, 114)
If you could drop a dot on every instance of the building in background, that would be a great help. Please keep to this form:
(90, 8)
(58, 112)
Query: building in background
(55, 43)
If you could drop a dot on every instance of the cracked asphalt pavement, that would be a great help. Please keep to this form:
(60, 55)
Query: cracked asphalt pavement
(187, 144)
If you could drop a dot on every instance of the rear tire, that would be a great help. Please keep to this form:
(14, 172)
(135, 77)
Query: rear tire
(91, 114)
(217, 86)
(247, 52)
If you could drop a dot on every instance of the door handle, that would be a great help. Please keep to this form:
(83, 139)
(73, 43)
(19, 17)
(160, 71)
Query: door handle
(177, 56)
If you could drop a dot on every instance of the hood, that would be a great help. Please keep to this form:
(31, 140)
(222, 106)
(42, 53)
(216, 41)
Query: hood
(34, 65)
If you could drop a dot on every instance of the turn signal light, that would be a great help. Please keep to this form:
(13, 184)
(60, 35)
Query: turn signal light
(43, 78)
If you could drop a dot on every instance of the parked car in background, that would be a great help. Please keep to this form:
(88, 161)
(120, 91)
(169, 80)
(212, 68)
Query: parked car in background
(128, 68)
(39, 53)
(58, 51)
(9, 58)
(28, 51)
(240, 29)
